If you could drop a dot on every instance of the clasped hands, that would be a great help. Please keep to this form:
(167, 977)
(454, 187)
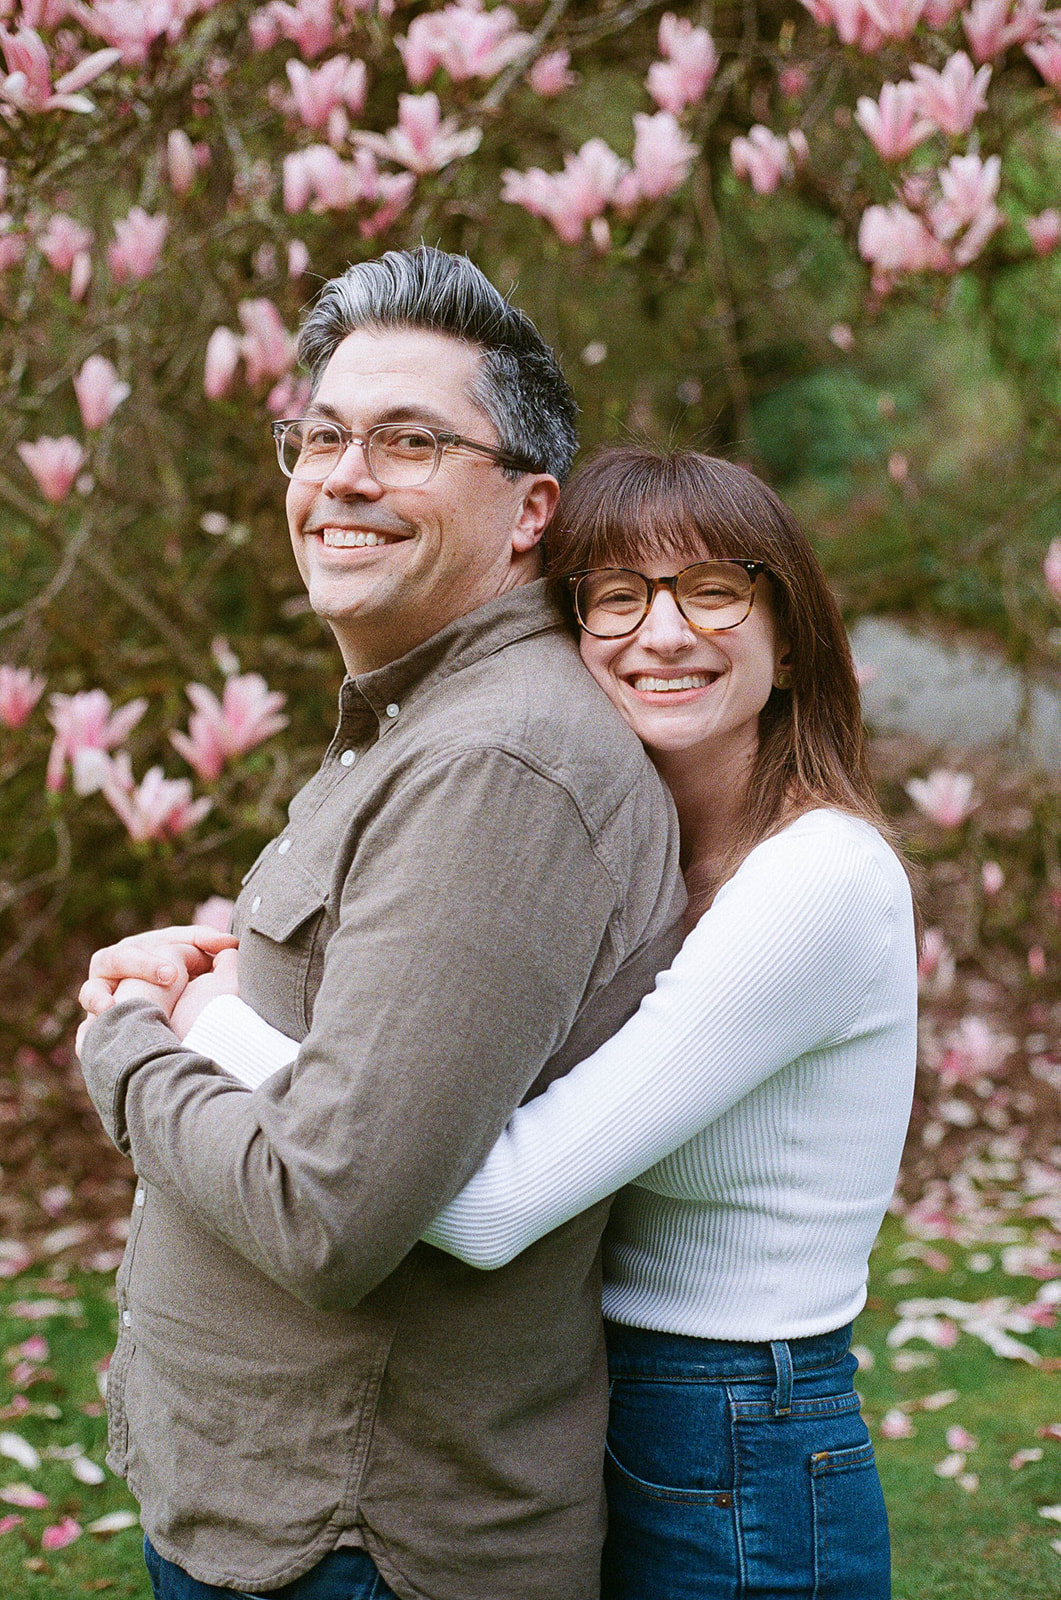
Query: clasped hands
(178, 969)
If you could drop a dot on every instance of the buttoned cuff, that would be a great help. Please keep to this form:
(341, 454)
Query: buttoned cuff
(123, 1038)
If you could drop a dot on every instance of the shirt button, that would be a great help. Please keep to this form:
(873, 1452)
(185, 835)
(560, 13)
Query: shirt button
(283, 847)
(393, 709)
(348, 758)
(138, 1197)
(256, 902)
(127, 1318)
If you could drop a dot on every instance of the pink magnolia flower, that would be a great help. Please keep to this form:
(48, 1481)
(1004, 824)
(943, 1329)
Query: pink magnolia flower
(896, 19)
(968, 187)
(463, 39)
(65, 245)
(953, 98)
(843, 337)
(891, 123)
(690, 62)
(266, 347)
(28, 84)
(214, 913)
(938, 13)
(935, 965)
(309, 24)
(55, 463)
(1036, 960)
(1052, 568)
(895, 241)
(1045, 56)
(20, 689)
(85, 722)
(569, 199)
(181, 161)
(318, 92)
(762, 157)
(946, 798)
(219, 730)
(992, 877)
(131, 27)
(99, 391)
(289, 397)
(297, 259)
(138, 245)
(423, 141)
(662, 157)
(160, 808)
(1044, 231)
(551, 74)
(391, 193)
(991, 26)
(222, 359)
(972, 1050)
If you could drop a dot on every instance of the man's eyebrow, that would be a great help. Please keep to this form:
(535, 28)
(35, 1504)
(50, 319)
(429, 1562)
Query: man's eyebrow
(395, 413)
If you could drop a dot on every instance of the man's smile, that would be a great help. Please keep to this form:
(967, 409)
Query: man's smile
(355, 538)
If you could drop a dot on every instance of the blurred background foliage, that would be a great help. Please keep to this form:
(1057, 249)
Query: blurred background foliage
(915, 433)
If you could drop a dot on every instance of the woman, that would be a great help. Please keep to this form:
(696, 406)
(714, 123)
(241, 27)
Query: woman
(756, 1104)
(765, 1085)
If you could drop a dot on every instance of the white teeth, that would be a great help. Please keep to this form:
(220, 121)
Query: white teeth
(692, 680)
(343, 538)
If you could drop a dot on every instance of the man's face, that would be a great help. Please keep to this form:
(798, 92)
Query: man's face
(442, 549)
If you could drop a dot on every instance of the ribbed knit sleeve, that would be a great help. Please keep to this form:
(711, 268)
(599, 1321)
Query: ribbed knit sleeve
(789, 1011)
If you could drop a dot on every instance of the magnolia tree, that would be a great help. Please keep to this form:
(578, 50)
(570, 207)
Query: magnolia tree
(176, 177)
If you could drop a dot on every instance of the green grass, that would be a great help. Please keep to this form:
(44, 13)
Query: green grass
(948, 1544)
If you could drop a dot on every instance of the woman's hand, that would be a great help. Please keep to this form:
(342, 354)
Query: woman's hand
(158, 966)
(221, 979)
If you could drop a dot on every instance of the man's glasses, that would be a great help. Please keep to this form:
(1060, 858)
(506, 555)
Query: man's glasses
(398, 455)
(712, 596)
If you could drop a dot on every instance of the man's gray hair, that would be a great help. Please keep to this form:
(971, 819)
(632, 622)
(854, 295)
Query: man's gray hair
(520, 385)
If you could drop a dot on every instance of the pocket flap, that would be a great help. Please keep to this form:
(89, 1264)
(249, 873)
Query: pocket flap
(283, 902)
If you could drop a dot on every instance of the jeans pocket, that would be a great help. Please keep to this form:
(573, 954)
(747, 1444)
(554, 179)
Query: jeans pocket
(672, 1515)
(852, 1557)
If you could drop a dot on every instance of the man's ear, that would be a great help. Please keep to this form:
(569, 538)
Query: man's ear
(540, 495)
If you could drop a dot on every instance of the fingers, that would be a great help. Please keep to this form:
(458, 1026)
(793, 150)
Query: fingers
(160, 956)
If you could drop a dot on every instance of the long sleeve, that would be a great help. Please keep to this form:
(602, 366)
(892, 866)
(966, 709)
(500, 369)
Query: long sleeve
(445, 989)
(783, 963)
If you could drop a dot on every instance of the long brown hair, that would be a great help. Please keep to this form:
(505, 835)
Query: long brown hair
(630, 503)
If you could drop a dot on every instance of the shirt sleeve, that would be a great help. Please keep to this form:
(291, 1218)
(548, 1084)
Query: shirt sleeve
(462, 956)
(780, 964)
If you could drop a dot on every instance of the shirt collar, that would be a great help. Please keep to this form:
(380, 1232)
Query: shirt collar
(526, 610)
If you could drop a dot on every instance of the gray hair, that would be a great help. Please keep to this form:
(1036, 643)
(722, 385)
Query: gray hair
(520, 385)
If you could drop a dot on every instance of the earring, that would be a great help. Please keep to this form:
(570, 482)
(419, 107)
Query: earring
(783, 679)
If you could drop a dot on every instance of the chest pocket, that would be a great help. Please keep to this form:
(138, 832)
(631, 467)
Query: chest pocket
(284, 931)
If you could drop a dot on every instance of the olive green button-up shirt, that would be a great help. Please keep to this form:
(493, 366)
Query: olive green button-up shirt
(476, 888)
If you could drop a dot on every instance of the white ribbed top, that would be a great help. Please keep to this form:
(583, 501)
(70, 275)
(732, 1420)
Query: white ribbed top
(761, 1092)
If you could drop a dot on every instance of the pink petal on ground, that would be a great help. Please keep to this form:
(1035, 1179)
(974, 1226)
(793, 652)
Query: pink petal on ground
(9, 1522)
(60, 1534)
(22, 1494)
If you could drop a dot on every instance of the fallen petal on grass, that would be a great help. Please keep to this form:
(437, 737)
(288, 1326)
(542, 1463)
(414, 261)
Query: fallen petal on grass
(24, 1495)
(15, 1448)
(1052, 1513)
(951, 1466)
(959, 1439)
(113, 1522)
(87, 1471)
(9, 1522)
(1021, 1458)
(60, 1534)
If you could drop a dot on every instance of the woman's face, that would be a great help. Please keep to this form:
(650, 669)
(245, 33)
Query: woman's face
(683, 691)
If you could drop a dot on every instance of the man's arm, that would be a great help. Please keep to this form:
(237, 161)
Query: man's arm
(461, 959)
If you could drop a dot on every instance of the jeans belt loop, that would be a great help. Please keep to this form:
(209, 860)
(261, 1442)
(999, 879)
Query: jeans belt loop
(782, 1395)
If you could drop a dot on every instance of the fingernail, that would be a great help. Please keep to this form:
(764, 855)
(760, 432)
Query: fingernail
(166, 973)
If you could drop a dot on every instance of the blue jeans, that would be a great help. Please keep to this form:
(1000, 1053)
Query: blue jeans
(740, 1472)
(342, 1575)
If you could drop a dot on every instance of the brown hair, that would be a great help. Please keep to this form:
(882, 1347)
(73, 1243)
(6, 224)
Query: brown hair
(629, 503)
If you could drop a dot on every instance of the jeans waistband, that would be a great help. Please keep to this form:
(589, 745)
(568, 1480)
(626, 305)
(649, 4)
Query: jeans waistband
(646, 1352)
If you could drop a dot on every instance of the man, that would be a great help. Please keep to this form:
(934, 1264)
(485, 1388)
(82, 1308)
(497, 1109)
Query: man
(476, 887)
